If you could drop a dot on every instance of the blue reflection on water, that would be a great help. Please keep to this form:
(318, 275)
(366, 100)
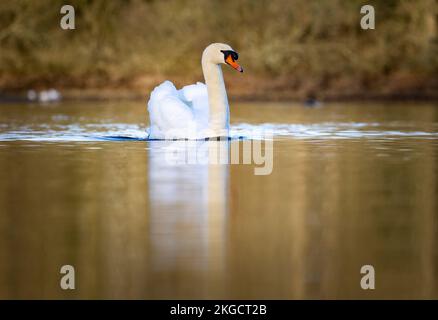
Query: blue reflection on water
(134, 132)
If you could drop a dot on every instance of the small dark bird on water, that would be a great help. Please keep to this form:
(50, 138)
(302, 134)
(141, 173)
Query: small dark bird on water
(311, 100)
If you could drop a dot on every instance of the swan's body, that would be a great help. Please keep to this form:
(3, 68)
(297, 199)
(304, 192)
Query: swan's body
(195, 111)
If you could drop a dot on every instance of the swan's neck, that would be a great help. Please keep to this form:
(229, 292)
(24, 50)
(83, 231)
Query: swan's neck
(217, 99)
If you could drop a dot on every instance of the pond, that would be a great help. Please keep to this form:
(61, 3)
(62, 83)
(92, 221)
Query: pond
(351, 184)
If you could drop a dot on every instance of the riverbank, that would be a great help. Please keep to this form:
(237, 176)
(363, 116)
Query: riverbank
(241, 87)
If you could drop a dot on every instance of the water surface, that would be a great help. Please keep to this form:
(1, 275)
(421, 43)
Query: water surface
(352, 184)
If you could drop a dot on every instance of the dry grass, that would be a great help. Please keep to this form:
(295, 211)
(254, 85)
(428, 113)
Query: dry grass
(295, 45)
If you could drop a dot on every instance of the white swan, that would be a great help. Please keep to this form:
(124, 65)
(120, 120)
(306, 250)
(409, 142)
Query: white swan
(196, 111)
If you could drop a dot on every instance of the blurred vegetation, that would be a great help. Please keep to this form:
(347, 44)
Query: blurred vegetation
(283, 44)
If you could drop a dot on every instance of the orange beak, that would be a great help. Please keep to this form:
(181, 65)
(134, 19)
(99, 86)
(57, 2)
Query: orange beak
(233, 63)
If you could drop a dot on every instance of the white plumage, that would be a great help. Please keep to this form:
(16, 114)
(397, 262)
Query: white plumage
(195, 111)
(181, 113)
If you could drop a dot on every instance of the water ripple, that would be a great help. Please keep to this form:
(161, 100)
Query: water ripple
(134, 132)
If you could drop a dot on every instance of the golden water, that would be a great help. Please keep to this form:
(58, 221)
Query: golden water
(355, 185)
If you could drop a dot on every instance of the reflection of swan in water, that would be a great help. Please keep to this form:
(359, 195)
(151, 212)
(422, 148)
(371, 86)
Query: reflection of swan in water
(188, 211)
(198, 110)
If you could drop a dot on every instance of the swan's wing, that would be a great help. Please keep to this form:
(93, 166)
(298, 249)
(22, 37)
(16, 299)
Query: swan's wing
(196, 96)
(194, 91)
(167, 111)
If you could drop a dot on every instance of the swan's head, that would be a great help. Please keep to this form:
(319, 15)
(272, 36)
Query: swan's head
(218, 53)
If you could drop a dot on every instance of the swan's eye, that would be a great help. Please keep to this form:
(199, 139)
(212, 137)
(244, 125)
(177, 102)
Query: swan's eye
(231, 53)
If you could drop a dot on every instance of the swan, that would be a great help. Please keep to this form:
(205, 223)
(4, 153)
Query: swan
(196, 111)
